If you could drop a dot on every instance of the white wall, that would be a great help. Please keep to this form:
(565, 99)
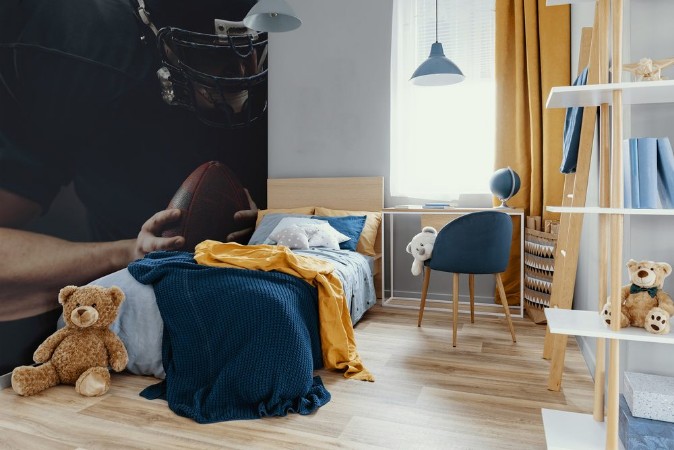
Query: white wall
(648, 33)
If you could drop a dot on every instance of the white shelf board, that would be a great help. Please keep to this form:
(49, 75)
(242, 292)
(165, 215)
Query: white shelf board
(566, 2)
(595, 94)
(589, 323)
(572, 431)
(599, 210)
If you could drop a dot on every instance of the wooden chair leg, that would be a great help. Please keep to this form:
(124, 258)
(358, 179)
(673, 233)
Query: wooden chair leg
(504, 302)
(455, 320)
(424, 291)
(471, 288)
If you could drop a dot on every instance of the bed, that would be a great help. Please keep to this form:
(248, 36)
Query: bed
(140, 325)
(171, 310)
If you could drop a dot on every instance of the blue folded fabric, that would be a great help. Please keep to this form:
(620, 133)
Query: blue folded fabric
(237, 344)
(572, 125)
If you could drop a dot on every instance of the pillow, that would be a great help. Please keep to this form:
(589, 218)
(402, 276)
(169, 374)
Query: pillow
(306, 211)
(368, 237)
(267, 225)
(292, 237)
(324, 237)
(350, 226)
(309, 226)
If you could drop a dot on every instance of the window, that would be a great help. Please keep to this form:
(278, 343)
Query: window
(442, 138)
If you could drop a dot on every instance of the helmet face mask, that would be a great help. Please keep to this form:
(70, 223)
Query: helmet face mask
(221, 77)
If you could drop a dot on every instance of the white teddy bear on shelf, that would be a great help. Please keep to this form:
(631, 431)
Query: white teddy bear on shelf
(421, 248)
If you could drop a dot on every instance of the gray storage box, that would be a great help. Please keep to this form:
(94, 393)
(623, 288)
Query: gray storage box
(650, 396)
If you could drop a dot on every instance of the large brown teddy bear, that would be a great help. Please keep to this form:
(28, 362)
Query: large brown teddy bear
(644, 303)
(81, 352)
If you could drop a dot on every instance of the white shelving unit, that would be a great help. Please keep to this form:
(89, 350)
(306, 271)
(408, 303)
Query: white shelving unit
(589, 323)
(567, 430)
(622, 211)
(572, 431)
(633, 93)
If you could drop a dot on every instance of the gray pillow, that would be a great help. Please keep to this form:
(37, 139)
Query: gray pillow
(292, 237)
(267, 225)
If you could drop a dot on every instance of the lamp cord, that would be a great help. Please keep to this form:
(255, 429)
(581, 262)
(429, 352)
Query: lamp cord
(436, 20)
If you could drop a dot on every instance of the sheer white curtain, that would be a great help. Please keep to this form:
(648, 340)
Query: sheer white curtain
(442, 138)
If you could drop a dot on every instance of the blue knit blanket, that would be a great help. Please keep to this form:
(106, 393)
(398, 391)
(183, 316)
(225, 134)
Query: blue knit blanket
(237, 344)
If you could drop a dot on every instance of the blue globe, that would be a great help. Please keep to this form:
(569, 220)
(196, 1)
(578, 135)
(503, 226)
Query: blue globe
(504, 184)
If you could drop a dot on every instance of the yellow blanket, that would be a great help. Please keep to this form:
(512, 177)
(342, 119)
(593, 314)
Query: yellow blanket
(337, 338)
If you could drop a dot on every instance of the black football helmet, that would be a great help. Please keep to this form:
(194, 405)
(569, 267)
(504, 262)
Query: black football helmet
(219, 73)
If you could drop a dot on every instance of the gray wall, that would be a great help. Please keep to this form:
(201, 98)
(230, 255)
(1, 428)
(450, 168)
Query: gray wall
(329, 109)
(329, 91)
(648, 33)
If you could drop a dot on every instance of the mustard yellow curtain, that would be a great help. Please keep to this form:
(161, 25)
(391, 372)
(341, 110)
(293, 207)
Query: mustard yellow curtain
(532, 55)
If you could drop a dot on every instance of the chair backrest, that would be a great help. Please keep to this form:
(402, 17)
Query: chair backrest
(478, 242)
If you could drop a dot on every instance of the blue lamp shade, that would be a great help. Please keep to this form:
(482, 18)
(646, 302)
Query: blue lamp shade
(272, 16)
(437, 70)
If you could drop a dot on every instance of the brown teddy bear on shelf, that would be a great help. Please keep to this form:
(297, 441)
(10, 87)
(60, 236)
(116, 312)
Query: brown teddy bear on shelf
(80, 353)
(644, 303)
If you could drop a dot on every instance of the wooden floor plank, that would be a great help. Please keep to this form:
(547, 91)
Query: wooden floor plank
(486, 393)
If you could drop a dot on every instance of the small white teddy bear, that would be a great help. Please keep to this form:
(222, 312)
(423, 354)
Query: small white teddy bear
(421, 248)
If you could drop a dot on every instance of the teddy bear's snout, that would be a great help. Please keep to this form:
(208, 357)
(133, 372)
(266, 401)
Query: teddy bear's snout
(642, 274)
(421, 251)
(84, 316)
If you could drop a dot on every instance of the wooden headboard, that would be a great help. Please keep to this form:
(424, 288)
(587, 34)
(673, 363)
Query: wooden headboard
(349, 193)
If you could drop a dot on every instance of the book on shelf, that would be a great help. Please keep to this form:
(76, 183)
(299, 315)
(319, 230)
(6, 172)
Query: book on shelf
(648, 176)
(436, 205)
(628, 176)
(647, 154)
(666, 172)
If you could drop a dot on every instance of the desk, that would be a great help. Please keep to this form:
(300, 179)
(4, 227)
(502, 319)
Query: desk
(437, 218)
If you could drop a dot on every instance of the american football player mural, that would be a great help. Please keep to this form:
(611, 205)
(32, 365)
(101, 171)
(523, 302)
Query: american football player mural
(141, 106)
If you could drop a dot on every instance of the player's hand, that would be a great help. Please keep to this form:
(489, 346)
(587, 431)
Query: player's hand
(149, 239)
(245, 221)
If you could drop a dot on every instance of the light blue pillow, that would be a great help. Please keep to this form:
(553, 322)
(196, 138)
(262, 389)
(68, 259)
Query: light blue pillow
(350, 226)
(267, 225)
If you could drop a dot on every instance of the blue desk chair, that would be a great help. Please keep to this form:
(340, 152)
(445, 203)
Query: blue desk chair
(476, 243)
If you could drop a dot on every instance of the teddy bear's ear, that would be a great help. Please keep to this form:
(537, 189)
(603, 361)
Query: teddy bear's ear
(409, 248)
(65, 293)
(666, 268)
(116, 294)
(631, 264)
(429, 230)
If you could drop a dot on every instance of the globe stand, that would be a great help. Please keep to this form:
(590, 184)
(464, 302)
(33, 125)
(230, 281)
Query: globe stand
(503, 204)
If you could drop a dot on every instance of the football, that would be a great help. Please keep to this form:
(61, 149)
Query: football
(208, 199)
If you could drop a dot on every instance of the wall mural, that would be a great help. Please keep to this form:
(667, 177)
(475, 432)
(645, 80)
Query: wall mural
(122, 102)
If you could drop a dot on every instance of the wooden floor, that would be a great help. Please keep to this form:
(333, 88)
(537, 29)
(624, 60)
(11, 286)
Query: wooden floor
(485, 394)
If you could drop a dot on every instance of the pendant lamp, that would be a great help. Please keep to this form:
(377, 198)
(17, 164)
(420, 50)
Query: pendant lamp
(437, 70)
(273, 16)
